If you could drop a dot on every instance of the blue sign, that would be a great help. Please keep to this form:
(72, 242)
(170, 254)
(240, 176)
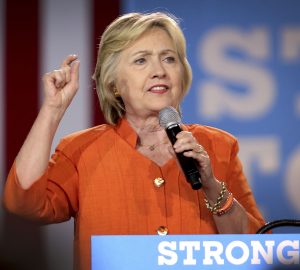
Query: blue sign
(245, 57)
(211, 252)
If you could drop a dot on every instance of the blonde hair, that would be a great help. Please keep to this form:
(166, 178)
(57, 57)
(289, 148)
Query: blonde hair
(119, 35)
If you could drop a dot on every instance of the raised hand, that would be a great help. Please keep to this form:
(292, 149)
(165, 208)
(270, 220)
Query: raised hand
(61, 85)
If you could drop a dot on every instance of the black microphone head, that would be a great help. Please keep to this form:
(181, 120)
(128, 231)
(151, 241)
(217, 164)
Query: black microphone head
(169, 116)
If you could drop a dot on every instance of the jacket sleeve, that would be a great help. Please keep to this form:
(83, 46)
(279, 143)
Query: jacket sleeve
(240, 189)
(52, 198)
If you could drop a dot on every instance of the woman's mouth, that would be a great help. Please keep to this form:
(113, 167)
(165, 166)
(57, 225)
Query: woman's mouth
(159, 89)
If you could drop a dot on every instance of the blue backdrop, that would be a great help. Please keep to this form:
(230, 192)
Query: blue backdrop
(245, 57)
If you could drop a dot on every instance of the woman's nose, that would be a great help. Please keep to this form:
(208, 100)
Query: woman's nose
(158, 69)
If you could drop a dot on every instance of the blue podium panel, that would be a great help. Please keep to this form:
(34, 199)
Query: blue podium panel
(213, 252)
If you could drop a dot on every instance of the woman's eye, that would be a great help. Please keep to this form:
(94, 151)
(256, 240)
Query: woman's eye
(140, 61)
(170, 59)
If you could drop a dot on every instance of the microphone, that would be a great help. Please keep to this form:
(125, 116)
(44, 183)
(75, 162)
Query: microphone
(170, 120)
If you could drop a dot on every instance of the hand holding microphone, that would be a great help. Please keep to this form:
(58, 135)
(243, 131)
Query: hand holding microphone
(170, 120)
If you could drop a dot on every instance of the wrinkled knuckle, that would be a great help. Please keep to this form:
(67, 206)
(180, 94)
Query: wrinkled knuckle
(46, 76)
(59, 72)
(65, 69)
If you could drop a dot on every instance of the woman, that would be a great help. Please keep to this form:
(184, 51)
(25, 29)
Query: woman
(122, 177)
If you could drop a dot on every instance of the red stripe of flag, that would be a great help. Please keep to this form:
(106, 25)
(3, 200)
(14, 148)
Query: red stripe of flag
(103, 16)
(21, 239)
(21, 73)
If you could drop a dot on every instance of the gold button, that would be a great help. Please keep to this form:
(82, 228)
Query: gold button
(162, 230)
(158, 182)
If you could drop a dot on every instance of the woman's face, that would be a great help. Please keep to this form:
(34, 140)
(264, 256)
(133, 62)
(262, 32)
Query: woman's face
(149, 74)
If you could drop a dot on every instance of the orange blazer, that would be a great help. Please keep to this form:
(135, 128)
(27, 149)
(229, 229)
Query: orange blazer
(99, 178)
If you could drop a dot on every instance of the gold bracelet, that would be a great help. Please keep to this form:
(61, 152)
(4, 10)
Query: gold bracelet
(217, 205)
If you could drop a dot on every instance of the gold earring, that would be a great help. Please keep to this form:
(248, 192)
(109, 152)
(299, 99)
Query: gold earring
(116, 93)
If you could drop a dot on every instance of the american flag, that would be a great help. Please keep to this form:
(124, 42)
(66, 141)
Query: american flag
(35, 36)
